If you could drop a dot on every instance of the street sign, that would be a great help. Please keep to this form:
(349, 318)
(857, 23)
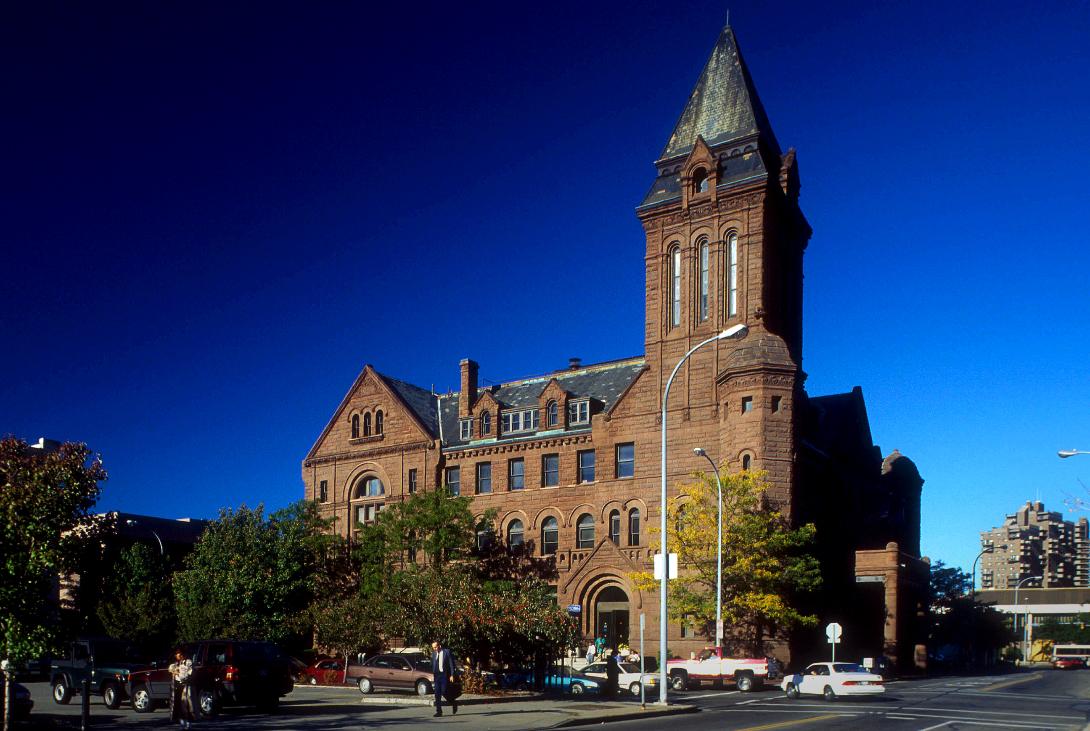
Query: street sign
(574, 609)
(658, 566)
(833, 632)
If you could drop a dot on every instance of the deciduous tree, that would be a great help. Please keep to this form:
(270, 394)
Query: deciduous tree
(138, 603)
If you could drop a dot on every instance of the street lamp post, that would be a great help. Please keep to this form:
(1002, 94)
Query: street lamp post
(987, 549)
(718, 552)
(1025, 620)
(130, 522)
(1065, 453)
(737, 331)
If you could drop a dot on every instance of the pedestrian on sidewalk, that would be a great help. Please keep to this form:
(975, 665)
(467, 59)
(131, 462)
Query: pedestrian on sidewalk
(442, 670)
(591, 652)
(613, 673)
(181, 691)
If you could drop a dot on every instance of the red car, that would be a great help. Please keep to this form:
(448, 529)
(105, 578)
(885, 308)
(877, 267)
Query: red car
(324, 672)
(1068, 663)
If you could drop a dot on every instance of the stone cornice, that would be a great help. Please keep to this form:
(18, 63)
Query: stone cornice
(521, 446)
(367, 454)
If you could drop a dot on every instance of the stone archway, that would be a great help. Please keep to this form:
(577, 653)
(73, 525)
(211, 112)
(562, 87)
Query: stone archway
(611, 616)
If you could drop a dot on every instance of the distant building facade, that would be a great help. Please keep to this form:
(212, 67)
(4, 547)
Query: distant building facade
(570, 458)
(1036, 542)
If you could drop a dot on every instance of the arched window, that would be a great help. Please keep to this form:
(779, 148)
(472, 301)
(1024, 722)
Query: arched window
(700, 180)
(634, 527)
(584, 529)
(552, 414)
(732, 275)
(514, 534)
(355, 426)
(615, 527)
(484, 536)
(703, 279)
(486, 423)
(745, 461)
(366, 425)
(675, 286)
(378, 421)
(370, 487)
(550, 536)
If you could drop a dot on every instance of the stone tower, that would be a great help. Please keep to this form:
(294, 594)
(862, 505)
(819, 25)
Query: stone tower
(725, 239)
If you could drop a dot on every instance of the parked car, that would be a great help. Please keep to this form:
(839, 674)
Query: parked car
(225, 672)
(324, 672)
(833, 679)
(564, 680)
(22, 705)
(1068, 663)
(628, 677)
(105, 662)
(393, 671)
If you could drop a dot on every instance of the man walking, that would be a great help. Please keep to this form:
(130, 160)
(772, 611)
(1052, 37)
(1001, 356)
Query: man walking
(442, 670)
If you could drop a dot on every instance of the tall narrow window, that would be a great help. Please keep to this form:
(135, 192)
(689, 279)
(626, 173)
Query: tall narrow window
(323, 491)
(378, 421)
(626, 460)
(516, 474)
(465, 429)
(634, 527)
(412, 481)
(700, 180)
(746, 461)
(675, 287)
(615, 527)
(732, 275)
(550, 470)
(550, 536)
(484, 478)
(355, 426)
(484, 536)
(514, 534)
(703, 280)
(366, 425)
(486, 423)
(586, 466)
(454, 480)
(552, 415)
(584, 530)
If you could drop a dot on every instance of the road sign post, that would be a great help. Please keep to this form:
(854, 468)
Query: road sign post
(833, 632)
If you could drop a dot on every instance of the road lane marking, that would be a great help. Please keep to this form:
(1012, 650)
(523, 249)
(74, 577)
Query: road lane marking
(993, 724)
(785, 724)
(991, 713)
(711, 695)
(1007, 684)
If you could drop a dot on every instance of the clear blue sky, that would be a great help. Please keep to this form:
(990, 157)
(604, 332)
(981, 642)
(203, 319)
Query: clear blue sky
(213, 217)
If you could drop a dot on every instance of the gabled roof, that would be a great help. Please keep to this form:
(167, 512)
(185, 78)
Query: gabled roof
(603, 384)
(420, 401)
(723, 105)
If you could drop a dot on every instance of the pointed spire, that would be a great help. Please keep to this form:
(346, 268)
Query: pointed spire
(723, 105)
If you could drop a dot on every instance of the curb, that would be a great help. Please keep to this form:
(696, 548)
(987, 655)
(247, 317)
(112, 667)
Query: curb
(463, 701)
(633, 715)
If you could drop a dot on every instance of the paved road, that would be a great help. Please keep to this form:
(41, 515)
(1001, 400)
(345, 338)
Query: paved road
(1043, 699)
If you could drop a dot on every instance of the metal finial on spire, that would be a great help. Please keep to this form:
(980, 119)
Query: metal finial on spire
(728, 17)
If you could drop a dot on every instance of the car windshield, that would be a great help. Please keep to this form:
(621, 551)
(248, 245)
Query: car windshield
(846, 667)
(628, 667)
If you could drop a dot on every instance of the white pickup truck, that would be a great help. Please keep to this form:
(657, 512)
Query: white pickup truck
(711, 667)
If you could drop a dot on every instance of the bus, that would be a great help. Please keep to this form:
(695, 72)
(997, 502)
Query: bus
(1079, 651)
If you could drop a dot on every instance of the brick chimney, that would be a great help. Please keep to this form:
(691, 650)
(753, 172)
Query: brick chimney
(469, 387)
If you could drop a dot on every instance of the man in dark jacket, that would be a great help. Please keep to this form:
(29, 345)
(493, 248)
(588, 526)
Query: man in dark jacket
(442, 671)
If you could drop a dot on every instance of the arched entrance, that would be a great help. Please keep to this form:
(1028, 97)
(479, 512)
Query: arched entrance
(611, 615)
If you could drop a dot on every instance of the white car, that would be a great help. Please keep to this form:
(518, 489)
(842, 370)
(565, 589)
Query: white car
(629, 676)
(833, 679)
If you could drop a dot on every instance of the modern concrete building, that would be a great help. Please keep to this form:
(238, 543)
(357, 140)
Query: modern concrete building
(570, 457)
(1034, 542)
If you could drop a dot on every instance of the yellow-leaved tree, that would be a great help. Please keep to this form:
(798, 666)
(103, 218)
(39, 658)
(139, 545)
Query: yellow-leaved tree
(766, 563)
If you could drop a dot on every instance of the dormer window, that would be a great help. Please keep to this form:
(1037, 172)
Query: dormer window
(579, 413)
(552, 415)
(700, 180)
(486, 423)
(520, 421)
(465, 429)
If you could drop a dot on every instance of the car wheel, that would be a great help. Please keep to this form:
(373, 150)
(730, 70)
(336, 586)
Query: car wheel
(634, 688)
(828, 694)
(207, 703)
(111, 696)
(792, 691)
(366, 686)
(679, 681)
(744, 682)
(61, 692)
(141, 699)
(577, 689)
(313, 680)
(423, 687)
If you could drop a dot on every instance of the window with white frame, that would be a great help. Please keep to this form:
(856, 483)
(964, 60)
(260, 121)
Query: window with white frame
(579, 412)
(519, 421)
(412, 481)
(634, 527)
(675, 286)
(615, 527)
(486, 423)
(550, 470)
(626, 460)
(484, 478)
(370, 487)
(704, 279)
(514, 534)
(586, 466)
(368, 513)
(552, 415)
(516, 474)
(323, 491)
(732, 275)
(465, 428)
(550, 536)
(454, 480)
(585, 531)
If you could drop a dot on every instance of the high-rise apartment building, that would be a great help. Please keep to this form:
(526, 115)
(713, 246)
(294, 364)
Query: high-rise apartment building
(1036, 542)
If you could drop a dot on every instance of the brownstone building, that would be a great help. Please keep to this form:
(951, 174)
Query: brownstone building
(570, 459)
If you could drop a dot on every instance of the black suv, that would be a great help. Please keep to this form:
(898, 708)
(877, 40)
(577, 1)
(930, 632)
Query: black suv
(225, 672)
(105, 662)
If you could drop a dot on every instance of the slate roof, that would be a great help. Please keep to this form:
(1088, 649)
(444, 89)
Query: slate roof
(602, 383)
(420, 400)
(723, 107)
(837, 424)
